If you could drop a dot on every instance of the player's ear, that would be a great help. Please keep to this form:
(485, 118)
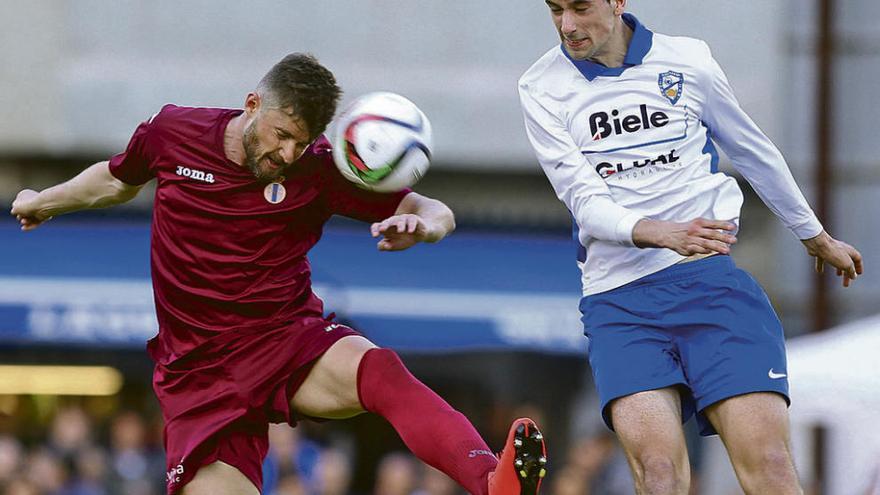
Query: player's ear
(619, 6)
(252, 103)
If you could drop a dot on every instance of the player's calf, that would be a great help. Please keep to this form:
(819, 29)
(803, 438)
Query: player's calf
(434, 431)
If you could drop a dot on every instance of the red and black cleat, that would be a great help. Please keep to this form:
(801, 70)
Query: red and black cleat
(522, 464)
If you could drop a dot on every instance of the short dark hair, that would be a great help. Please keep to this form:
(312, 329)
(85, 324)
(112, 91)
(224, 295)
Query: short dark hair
(301, 83)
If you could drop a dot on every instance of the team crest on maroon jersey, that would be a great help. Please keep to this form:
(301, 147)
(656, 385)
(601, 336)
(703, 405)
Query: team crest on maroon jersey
(275, 192)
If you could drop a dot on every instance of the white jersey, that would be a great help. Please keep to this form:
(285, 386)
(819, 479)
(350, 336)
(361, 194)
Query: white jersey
(622, 144)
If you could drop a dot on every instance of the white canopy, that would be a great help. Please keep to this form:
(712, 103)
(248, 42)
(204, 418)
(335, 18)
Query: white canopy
(835, 383)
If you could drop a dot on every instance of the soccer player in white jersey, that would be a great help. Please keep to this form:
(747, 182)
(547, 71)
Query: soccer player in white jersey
(623, 122)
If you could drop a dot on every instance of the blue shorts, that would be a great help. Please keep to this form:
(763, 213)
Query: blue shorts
(705, 326)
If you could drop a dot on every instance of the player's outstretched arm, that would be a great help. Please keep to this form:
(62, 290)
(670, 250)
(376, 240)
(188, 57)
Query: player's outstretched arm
(699, 236)
(840, 255)
(94, 187)
(417, 219)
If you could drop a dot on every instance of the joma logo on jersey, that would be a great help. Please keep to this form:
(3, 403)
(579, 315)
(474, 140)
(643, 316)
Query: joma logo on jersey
(603, 125)
(195, 174)
(173, 474)
(607, 169)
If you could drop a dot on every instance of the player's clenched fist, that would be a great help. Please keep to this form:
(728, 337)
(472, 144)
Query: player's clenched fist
(25, 209)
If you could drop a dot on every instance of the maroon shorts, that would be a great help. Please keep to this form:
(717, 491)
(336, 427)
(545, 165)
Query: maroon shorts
(219, 399)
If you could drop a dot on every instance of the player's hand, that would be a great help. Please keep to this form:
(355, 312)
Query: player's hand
(401, 232)
(840, 255)
(25, 209)
(699, 236)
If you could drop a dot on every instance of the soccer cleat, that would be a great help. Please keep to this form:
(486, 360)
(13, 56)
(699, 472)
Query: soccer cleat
(523, 462)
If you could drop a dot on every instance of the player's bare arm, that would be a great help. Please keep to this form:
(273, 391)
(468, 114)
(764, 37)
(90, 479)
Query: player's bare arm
(840, 255)
(699, 236)
(94, 187)
(417, 219)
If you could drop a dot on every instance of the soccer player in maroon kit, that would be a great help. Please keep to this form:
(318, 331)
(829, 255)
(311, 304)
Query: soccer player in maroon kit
(241, 197)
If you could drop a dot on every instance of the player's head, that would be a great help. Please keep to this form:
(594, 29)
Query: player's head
(586, 26)
(290, 108)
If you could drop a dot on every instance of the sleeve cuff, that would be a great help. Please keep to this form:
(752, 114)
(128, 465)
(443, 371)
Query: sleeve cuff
(625, 226)
(808, 230)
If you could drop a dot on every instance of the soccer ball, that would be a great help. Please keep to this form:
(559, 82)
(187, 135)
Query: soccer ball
(383, 142)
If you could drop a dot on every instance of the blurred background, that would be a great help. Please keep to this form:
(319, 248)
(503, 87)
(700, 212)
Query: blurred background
(488, 317)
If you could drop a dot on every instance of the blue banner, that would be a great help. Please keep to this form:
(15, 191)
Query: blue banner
(87, 283)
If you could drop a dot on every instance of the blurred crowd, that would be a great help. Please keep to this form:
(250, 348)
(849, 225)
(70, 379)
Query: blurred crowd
(80, 453)
(74, 458)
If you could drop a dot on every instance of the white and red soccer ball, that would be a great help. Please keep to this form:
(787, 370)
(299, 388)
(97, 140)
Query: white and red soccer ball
(383, 142)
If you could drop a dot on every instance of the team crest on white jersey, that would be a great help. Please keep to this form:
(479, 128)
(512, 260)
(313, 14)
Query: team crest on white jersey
(275, 192)
(671, 85)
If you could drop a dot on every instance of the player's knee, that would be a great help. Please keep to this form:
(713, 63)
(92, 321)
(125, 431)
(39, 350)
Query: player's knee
(768, 458)
(661, 474)
(384, 358)
(769, 468)
(379, 362)
(379, 369)
(777, 459)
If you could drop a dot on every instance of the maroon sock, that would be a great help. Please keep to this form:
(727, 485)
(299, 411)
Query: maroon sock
(435, 432)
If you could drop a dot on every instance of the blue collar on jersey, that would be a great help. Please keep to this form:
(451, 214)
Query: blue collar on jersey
(639, 46)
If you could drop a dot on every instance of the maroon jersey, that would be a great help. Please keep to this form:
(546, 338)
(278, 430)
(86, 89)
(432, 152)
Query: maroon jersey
(229, 253)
